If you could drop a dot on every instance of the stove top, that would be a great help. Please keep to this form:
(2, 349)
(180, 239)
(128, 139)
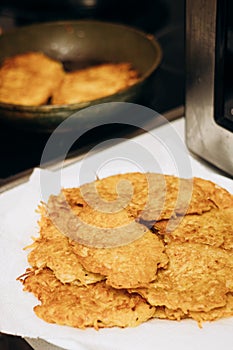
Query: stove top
(21, 150)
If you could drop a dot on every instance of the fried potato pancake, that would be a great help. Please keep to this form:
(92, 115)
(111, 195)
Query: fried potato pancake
(130, 247)
(29, 79)
(157, 196)
(199, 316)
(218, 195)
(198, 278)
(95, 305)
(96, 222)
(216, 313)
(213, 228)
(94, 82)
(52, 249)
(89, 197)
(128, 266)
(57, 254)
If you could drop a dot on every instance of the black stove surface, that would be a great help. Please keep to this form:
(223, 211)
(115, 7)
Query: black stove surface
(22, 150)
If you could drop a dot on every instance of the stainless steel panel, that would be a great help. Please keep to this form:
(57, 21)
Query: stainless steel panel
(203, 136)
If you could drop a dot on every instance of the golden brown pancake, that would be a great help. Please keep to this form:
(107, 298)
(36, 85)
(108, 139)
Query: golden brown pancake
(52, 249)
(94, 82)
(124, 266)
(127, 266)
(96, 305)
(198, 278)
(157, 196)
(93, 222)
(199, 316)
(215, 193)
(57, 254)
(176, 262)
(213, 228)
(215, 314)
(29, 79)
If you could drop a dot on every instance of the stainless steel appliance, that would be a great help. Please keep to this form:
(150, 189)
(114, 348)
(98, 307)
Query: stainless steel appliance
(209, 83)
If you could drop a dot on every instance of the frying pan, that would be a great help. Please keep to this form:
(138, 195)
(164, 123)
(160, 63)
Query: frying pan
(77, 44)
